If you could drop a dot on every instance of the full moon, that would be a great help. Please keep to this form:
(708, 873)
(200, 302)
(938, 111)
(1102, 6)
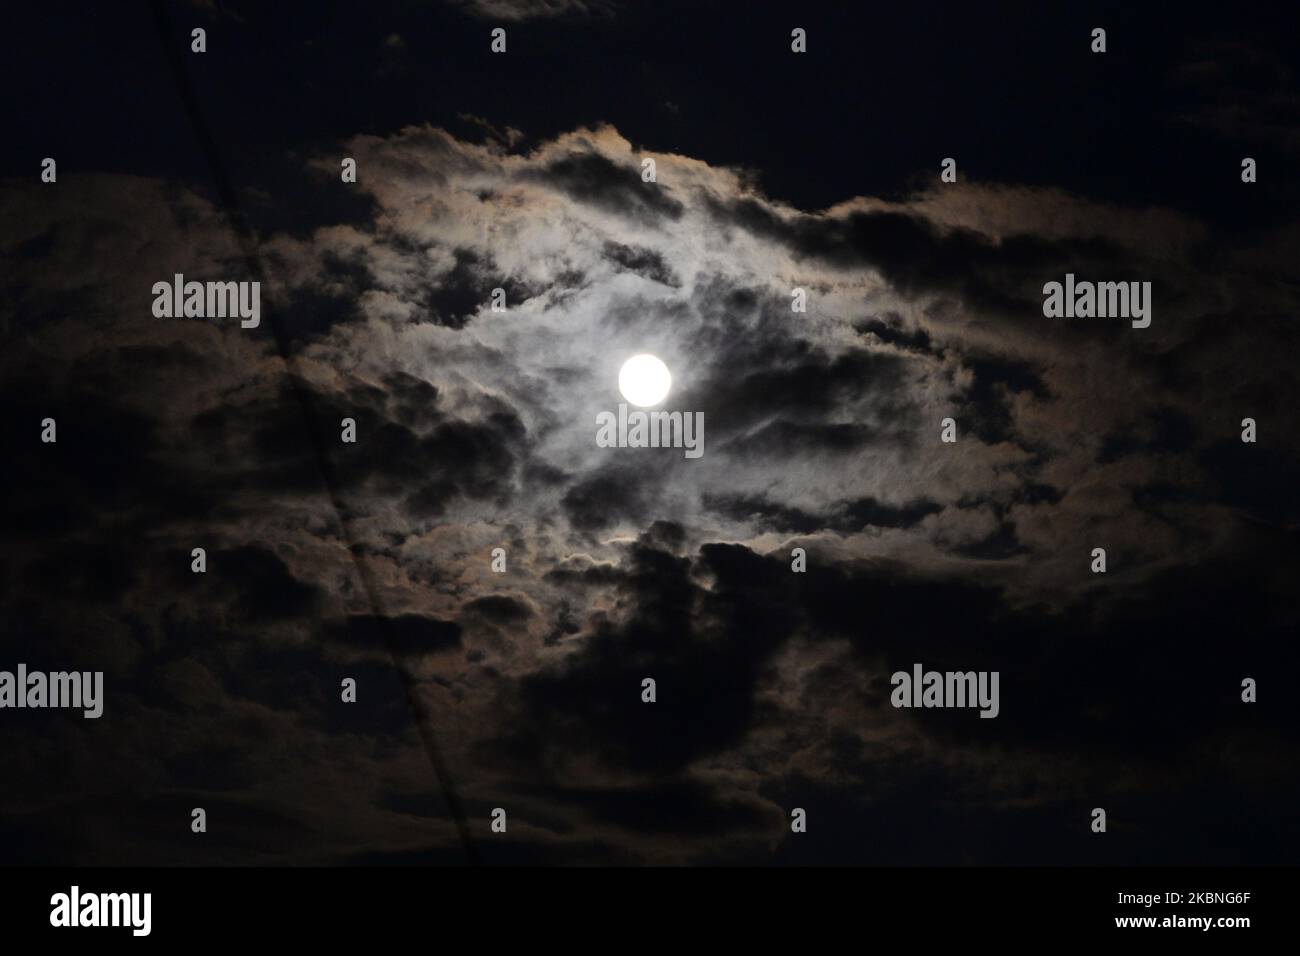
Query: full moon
(644, 380)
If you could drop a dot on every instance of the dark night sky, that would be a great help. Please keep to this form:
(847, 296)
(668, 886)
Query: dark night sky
(1006, 88)
(521, 690)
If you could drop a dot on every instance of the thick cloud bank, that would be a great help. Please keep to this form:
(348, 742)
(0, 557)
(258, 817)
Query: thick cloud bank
(476, 430)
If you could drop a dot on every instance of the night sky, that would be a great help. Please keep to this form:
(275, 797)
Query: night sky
(476, 430)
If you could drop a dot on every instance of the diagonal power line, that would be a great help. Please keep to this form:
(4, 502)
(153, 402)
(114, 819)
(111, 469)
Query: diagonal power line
(252, 259)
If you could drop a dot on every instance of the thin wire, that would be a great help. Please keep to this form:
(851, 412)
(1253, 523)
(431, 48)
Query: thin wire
(252, 259)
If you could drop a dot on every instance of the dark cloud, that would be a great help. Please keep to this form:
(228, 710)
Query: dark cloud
(705, 672)
(312, 311)
(1259, 480)
(676, 806)
(405, 634)
(408, 446)
(891, 333)
(917, 257)
(594, 179)
(1161, 431)
(499, 609)
(107, 460)
(794, 381)
(985, 406)
(848, 517)
(607, 498)
(262, 586)
(467, 288)
(645, 262)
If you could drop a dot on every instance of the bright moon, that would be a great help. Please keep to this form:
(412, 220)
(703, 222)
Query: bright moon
(644, 380)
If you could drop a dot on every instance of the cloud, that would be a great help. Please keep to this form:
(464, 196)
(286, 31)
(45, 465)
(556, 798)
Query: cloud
(476, 431)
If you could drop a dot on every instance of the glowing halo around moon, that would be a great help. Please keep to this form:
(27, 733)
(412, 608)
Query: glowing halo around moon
(644, 380)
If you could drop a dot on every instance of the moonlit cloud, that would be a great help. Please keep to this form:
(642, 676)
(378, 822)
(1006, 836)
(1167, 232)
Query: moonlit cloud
(477, 431)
